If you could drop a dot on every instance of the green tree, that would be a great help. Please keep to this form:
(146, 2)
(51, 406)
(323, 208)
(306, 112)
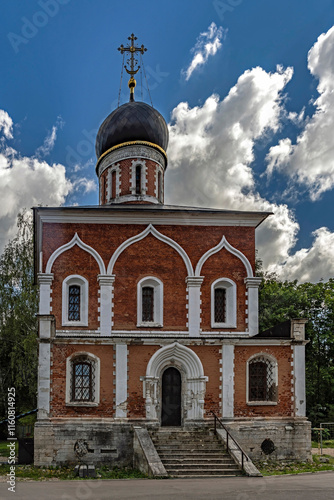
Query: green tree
(18, 324)
(282, 300)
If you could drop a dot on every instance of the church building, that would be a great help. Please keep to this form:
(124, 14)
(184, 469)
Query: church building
(148, 313)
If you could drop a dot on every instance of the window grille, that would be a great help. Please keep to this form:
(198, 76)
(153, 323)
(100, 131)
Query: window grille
(74, 303)
(138, 179)
(83, 379)
(113, 185)
(262, 386)
(220, 305)
(147, 303)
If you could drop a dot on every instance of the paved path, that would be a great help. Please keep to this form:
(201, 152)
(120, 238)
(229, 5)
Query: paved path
(318, 486)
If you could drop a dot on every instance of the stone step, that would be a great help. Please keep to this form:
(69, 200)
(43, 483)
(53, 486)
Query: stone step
(201, 476)
(191, 447)
(201, 472)
(199, 465)
(195, 460)
(204, 456)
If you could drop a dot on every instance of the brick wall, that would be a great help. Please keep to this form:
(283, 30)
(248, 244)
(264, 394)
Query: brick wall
(210, 357)
(283, 355)
(138, 358)
(60, 353)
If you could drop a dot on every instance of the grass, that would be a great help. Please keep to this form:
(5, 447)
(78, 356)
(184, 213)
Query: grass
(272, 467)
(62, 473)
(328, 443)
(4, 450)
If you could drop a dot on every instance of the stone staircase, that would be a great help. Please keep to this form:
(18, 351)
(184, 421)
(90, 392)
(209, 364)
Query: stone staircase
(193, 453)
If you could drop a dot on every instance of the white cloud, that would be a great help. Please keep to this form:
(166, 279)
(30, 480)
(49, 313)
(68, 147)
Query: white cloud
(207, 44)
(212, 148)
(310, 161)
(49, 140)
(26, 182)
(85, 185)
(6, 124)
(311, 264)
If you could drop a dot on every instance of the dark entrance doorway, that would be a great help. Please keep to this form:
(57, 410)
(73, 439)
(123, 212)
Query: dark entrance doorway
(171, 398)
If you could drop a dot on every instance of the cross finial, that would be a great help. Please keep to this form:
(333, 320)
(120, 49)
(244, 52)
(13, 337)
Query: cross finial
(132, 61)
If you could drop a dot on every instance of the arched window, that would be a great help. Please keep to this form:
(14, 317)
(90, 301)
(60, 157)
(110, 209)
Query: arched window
(75, 301)
(138, 179)
(82, 379)
(262, 380)
(147, 303)
(150, 302)
(223, 304)
(113, 184)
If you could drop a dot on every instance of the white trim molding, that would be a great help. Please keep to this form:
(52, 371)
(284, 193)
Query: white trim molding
(121, 380)
(114, 168)
(228, 381)
(75, 279)
(194, 304)
(224, 244)
(106, 282)
(158, 298)
(44, 374)
(143, 177)
(76, 241)
(274, 367)
(231, 303)
(193, 378)
(252, 285)
(69, 361)
(299, 379)
(151, 230)
(45, 282)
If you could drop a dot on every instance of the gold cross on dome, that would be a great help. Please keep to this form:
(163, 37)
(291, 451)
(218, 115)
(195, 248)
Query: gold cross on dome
(132, 61)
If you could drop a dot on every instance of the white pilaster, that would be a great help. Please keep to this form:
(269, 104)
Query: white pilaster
(121, 380)
(228, 381)
(194, 304)
(299, 372)
(252, 285)
(44, 281)
(44, 380)
(106, 282)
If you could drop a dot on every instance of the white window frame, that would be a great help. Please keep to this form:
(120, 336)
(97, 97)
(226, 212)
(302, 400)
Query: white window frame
(69, 363)
(157, 286)
(143, 188)
(75, 279)
(273, 360)
(231, 303)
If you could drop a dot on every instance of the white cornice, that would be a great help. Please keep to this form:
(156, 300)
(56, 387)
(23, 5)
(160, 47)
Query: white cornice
(182, 218)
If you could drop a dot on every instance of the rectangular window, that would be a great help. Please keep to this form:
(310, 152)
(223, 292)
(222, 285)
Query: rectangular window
(74, 303)
(113, 185)
(82, 386)
(220, 305)
(138, 179)
(147, 303)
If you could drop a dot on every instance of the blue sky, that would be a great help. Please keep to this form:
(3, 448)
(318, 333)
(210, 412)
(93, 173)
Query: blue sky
(256, 132)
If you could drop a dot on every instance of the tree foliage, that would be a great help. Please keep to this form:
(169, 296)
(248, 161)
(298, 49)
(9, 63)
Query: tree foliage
(282, 300)
(18, 324)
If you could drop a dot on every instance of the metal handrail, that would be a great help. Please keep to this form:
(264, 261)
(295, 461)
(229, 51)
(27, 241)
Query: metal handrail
(229, 435)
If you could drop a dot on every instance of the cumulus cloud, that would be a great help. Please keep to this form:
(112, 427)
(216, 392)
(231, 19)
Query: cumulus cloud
(49, 140)
(211, 150)
(6, 124)
(310, 161)
(25, 182)
(207, 44)
(311, 264)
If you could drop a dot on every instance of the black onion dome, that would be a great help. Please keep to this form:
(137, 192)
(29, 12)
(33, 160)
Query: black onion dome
(133, 121)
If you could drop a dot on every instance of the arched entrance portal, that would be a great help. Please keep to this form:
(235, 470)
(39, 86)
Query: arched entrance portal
(171, 398)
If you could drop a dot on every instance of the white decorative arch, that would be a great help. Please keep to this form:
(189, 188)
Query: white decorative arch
(224, 244)
(189, 364)
(151, 230)
(76, 241)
